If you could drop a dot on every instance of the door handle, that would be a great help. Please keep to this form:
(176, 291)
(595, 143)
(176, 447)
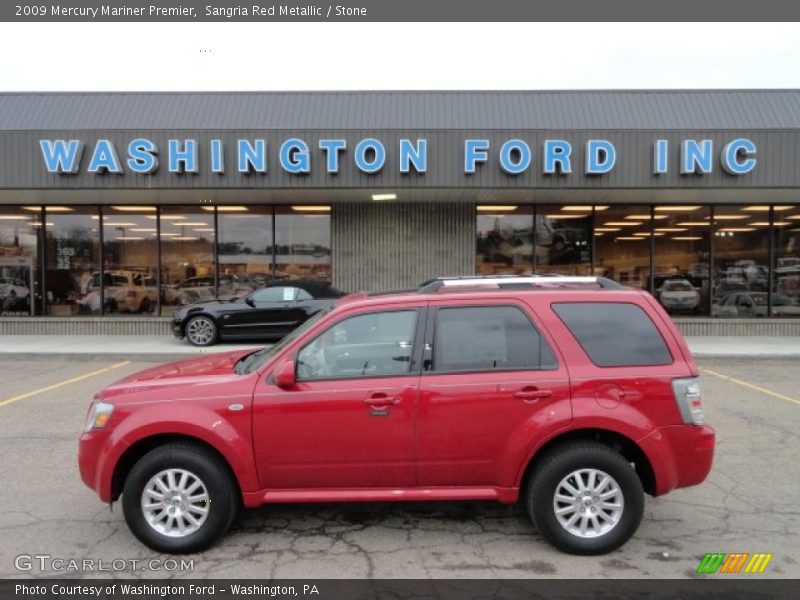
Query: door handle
(381, 399)
(532, 394)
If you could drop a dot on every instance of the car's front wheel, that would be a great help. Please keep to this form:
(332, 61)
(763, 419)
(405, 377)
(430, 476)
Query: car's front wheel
(585, 498)
(201, 331)
(179, 498)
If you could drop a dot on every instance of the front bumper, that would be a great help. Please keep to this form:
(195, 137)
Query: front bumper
(177, 328)
(96, 462)
(681, 455)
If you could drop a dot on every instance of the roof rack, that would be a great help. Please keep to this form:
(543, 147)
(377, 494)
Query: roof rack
(516, 281)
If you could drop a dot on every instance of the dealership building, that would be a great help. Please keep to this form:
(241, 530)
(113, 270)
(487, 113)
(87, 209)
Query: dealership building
(115, 208)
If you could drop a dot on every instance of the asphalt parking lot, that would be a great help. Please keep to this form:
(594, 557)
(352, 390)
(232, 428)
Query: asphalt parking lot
(749, 504)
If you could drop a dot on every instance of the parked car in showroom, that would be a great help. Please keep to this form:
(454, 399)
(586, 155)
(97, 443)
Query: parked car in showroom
(678, 294)
(268, 313)
(571, 395)
(755, 304)
(127, 290)
(12, 290)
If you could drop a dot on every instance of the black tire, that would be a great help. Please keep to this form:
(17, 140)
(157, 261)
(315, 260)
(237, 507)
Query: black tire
(193, 340)
(558, 464)
(145, 305)
(223, 503)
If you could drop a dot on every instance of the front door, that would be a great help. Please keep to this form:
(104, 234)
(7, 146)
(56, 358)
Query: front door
(349, 421)
(490, 381)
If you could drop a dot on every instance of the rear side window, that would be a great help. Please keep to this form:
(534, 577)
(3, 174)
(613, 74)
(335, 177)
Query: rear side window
(488, 338)
(615, 334)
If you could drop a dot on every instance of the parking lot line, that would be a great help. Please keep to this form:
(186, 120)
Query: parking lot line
(63, 383)
(752, 386)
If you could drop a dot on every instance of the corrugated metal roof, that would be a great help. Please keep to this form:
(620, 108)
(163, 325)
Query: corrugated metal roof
(646, 109)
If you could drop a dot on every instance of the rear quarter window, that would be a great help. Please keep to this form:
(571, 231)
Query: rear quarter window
(615, 334)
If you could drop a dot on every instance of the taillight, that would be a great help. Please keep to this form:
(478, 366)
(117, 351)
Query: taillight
(131, 293)
(689, 400)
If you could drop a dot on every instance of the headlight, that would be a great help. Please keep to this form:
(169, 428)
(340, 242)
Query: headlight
(99, 415)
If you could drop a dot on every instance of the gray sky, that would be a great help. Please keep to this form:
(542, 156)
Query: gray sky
(336, 56)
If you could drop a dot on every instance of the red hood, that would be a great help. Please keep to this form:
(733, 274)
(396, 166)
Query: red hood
(200, 370)
(217, 363)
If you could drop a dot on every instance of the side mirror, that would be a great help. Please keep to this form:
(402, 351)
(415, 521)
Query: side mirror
(249, 301)
(285, 375)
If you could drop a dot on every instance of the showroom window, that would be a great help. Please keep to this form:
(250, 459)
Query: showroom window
(504, 240)
(682, 242)
(130, 250)
(741, 258)
(622, 244)
(245, 249)
(19, 260)
(72, 250)
(303, 242)
(786, 264)
(563, 239)
(187, 257)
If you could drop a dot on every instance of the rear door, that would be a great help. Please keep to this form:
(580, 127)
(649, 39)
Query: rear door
(491, 383)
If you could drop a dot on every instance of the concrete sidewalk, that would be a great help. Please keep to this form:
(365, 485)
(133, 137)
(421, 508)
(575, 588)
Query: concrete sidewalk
(166, 347)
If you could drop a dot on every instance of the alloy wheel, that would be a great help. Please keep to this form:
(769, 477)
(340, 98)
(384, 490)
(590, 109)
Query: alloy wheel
(588, 503)
(200, 331)
(175, 502)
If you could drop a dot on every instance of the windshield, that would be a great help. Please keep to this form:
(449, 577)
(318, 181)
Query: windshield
(251, 362)
(678, 286)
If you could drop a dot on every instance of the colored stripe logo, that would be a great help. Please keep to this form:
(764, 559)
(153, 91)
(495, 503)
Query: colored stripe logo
(734, 563)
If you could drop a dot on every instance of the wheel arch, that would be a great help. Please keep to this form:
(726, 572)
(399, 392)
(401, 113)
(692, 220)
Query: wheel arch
(613, 439)
(137, 450)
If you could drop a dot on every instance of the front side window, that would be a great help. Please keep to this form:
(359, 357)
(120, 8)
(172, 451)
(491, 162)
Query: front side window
(614, 334)
(368, 345)
(488, 338)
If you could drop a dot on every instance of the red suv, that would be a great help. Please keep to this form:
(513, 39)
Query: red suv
(570, 394)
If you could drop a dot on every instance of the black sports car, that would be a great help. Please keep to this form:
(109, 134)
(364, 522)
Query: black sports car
(268, 313)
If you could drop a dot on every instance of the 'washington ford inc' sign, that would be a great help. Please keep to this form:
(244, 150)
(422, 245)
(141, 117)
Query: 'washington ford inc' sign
(370, 156)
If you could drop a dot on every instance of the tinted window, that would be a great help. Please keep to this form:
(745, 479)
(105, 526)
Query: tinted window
(363, 346)
(274, 294)
(486, 338)
(614, 334)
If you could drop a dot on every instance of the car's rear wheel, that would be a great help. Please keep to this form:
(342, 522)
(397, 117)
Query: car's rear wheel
(201, 331)
(585, 498)
(145, 305)
(179, 498)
